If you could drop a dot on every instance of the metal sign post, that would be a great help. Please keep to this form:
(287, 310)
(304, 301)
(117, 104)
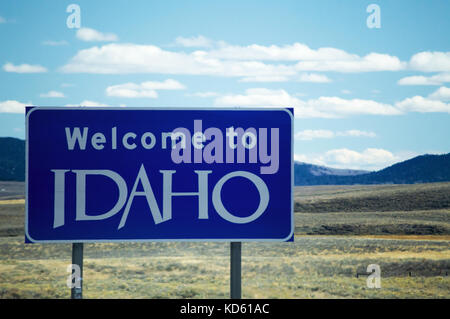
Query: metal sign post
(77, 259)
(235, 270)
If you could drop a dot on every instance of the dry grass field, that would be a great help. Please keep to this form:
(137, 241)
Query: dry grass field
(340, 230)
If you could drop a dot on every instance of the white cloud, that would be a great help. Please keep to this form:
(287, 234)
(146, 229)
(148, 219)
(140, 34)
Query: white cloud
(336, 107)
(198, 41)
(307, 135)
(132, 58)
(55, 43)
(346, 91)
(203, 94)
(88, 103)
(368, 159)
(339, 107)
(12, 106)
(248, 62)
(265, 79)
(90, 35)
(143, 90)
(356, 133)
(314, 78)
(130, 90)
(422, 105)
(259, 97)
(305, 159)
(294, 52)
(302, 77)
(370, 63)
(322, 59)
(417, 80)
(251, 63)
(430, 61)
(24, 68)
(2, 20)
(168, 84)
(52, 94)
(437, 79)
(323, 107)
(435, 102)
(442, 94)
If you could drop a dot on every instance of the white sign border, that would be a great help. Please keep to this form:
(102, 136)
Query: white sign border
(117, 108)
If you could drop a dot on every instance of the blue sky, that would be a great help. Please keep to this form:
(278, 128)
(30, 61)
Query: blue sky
(363, 97)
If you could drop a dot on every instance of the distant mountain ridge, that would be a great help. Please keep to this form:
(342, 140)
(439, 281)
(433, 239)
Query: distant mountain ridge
(12, 159)
(421, 169)
(317, 170)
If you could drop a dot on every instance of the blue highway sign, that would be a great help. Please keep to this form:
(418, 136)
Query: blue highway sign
(158, 174)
